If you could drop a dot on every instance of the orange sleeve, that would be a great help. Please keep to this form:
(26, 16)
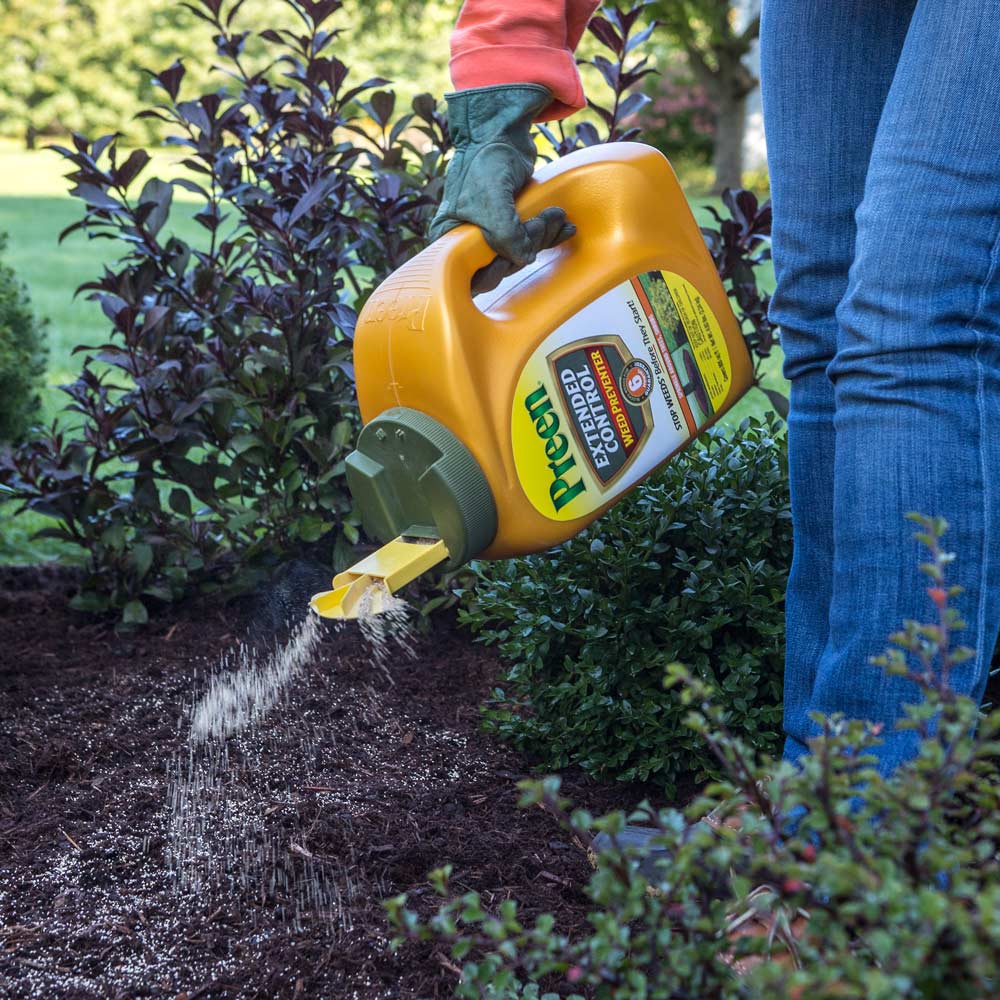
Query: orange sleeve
(522, 41)
(578, 14)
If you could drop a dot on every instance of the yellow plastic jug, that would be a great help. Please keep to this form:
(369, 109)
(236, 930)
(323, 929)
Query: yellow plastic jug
(504, 424)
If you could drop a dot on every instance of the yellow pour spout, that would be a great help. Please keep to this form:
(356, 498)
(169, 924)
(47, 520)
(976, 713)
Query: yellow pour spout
(379, 575)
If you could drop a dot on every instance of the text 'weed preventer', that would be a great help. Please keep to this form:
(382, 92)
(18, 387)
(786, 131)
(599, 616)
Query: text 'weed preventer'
(505, 424)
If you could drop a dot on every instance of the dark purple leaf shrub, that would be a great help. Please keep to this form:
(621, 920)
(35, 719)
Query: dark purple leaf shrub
(621, 33)
(740, 246)
(210, 429)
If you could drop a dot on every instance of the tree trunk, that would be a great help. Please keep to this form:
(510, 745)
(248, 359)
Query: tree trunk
(30, 137)
(730, 126)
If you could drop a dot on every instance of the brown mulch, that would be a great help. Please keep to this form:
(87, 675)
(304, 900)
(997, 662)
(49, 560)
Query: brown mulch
(361, 780)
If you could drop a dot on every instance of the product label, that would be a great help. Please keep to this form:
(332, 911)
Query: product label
(614, 390)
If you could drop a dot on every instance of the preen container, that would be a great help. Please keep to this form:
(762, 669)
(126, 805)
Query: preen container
(504, 424)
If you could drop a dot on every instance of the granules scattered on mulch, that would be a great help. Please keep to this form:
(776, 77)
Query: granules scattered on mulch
(364, 779)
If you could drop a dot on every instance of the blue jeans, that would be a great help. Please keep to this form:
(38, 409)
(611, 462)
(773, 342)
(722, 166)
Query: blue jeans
(883, 127)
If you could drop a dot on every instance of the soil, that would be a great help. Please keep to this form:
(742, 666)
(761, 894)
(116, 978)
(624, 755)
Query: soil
(360, 780)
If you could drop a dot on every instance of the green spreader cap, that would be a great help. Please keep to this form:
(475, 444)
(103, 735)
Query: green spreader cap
(411, 476)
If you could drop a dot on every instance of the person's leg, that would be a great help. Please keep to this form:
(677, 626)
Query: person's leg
(826, 68)
(916, 376)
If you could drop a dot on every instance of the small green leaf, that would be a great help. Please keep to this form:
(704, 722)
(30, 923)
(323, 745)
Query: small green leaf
(142, 559)
(134, 613)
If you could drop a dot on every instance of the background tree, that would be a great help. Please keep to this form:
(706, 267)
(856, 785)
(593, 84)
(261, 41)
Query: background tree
(38, 59)
(79, 65)
(717, 36)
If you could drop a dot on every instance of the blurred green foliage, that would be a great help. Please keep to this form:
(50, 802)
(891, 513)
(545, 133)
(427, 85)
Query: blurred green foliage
(78, 65)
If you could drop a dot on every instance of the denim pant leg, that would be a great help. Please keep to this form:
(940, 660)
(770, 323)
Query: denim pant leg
(916, 375)
(826, 70)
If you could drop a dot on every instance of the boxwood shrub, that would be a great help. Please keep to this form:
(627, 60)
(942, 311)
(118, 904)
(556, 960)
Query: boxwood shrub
(22, 356)
(900, 883)
(691, 567)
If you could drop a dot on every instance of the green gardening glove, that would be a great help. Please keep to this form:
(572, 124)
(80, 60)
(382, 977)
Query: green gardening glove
(494, 159)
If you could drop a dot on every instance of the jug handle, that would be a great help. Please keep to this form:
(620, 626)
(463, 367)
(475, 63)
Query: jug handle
(469, 250)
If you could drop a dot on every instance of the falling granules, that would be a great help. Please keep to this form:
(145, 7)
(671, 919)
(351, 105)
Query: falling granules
(233, 827)
(390, 629)
(236, 700)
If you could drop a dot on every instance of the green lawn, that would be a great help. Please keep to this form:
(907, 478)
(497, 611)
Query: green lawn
(34, 209)
(52, 273)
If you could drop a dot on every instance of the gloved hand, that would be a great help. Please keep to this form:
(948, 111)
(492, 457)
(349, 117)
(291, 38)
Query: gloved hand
(494, 157)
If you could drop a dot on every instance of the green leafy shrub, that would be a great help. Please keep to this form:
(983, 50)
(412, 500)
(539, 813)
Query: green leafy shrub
(902, 886)
(692, 566)
(22, 356)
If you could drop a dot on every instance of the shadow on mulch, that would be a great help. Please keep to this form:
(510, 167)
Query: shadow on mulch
(362, 779)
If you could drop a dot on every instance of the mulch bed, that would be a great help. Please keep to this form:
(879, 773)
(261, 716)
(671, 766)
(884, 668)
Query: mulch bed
(359, 781)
